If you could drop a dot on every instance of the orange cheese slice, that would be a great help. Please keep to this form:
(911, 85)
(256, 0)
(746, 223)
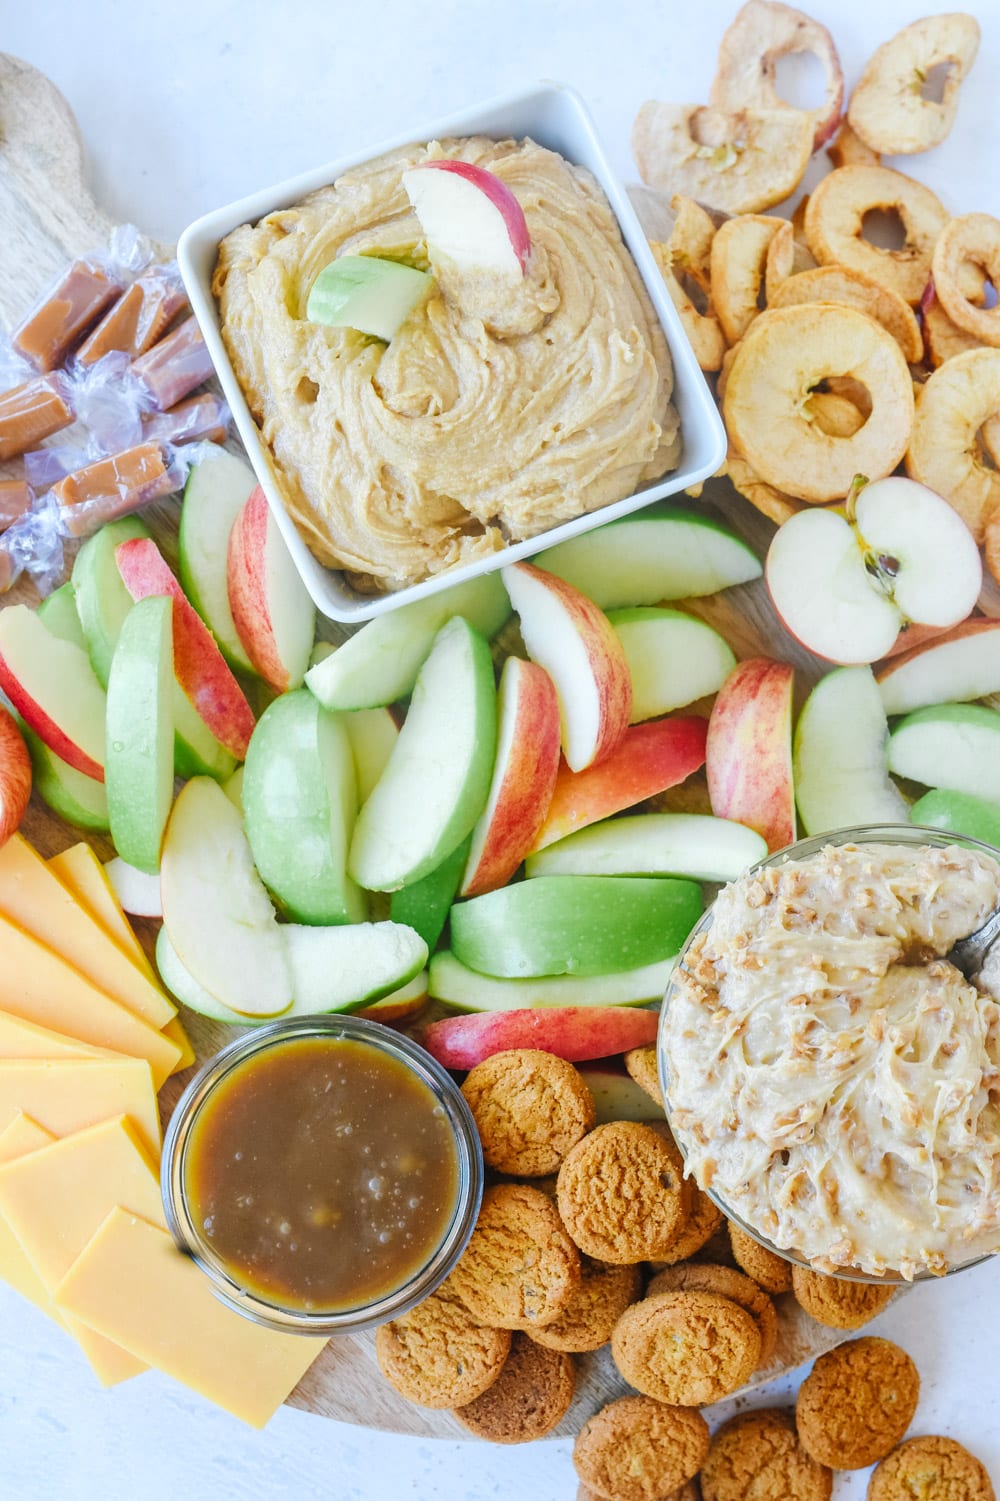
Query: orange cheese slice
(23, 1039)
(68, 1094)
(22, 1136)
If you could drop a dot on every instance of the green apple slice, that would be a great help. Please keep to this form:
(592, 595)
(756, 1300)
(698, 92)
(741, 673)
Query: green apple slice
(71, 794)
(437, 780)
(300, 803)
(373, 734)
(950, 745)
(139, 761)
(217, 914)
(574, 925)
(425, 905)
(958, 813)
(102, 600)
(215, 493)
(661, 552)
(233, 788)
(673, 659)
(62, 618)
(839, 756)
(380, 662)
(366, 292)
(692, 845)
(454, 984)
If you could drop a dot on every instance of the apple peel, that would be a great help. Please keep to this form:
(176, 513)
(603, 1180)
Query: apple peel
(740, 163)
(888, 111)
(15, 776)
(944, 451)
(762, 32)
(739, 259)
(856, 289)
(576, 1033)
(834, 223)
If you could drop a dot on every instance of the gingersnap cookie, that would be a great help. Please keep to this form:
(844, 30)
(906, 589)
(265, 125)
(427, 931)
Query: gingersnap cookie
(641, 1065)
(520, 1267)
(930, 1469)
(836, 1303)
(594, 1308)
(636, 1449)
(686, 1348)
(621, 1193)
(530, 1108)
(702, 1221)
(529, 1398)
(699, 1277)
(857, 1403)
(772, 1273)
(758, 1454)
(437, 1355)
(689, 1492)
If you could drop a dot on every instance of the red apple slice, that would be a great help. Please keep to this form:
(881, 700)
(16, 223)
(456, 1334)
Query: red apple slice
(274, 616)
(524, 776)
(575, 642)
(51, 684)
(749, 753)
(15, 776)
(575, 1033)
(469, 217)
(962, 665)
(199, 666)
(650, 758)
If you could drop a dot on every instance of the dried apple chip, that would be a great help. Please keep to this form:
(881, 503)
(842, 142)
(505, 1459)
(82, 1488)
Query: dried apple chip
(970, 240)
(739, 163)
(739, 260)
(888, 109)
(849, 150)
(786, 256)
(762, 32)
(835, 223)
(855, 289)
(942, 339)
(945, 452)
(685, 260)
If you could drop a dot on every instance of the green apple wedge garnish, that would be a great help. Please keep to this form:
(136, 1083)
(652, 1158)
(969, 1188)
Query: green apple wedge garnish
(673, 659)
(691, 845)
(661, 552)
(454, 984)
(216, 491)
(950, 745)
(959, 813)
(425, 904)
(102, 601)
(139, 758)
(300, 802)
(839, 756)
(380, 662)
(438, 776)
(577, 925)
(368, 293)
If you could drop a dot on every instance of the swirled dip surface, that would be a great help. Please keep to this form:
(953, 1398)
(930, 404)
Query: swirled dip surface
(832, 1077)
(498, 410)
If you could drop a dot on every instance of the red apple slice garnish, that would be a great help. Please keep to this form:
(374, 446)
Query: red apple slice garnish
(469, 217)
(51, 684)
(576, 1033)
(15, 776)
(274, 617)
(749, 753)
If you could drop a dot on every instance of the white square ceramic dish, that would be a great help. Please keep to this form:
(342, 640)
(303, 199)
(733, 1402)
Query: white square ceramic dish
(556, 117)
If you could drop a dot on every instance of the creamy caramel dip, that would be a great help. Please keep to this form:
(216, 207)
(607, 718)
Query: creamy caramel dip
(498, 410)
(831, 1076)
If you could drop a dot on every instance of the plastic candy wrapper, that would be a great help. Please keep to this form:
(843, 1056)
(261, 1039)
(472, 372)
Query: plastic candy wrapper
(140, 317)
(200, 418)
(16, 497)
(174, 367)
(100, 403)
(33, 411)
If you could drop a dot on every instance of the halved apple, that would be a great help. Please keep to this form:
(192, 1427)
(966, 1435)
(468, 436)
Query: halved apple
(661, 552)
(568, 635)
(454, 984)
(469, 217)
(139, 769)
(373, 734)
(137, 891)
(435, 785)
(654, 844)
(274, 616)
(959, 813)
(963, 665)
(575, 1033)
(749, 752)
(102, 601)
(839, 756)
(380, 662)
(956, 746)
(368, 293)
(52, 686)
(672, 657)
(216, 491)
(15, 776)
(216, 912)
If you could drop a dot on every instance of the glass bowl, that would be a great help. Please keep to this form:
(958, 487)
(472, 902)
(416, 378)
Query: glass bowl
(912, 835)
(252, 1303)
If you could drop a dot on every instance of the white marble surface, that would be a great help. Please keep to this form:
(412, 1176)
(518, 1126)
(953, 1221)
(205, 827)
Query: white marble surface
(184, 107)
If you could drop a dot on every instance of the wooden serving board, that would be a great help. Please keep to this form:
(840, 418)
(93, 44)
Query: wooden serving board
(48, 217)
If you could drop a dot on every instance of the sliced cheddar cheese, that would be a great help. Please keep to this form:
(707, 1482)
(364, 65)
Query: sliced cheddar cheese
(22, 1136)
(132, 1285)
(68, 1094)
(23, 1039)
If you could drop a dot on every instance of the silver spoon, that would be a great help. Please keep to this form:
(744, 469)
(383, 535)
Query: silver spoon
(969, 954)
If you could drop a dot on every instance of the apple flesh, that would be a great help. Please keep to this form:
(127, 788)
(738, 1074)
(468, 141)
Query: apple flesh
(617, 1096)
(138, 892)
(424, 906)
(139, 770)
(380, 663)
(690, 845)
(964, 665)
(454, 984)
(749, 752)
(839, 756)
(367, 293)
(216, 491)
(650, 758)
(672, 657)
(568, 635)
(574, 925)
(524, 776)
(956, 746)
(661, 552)
(52, 686)
(373, 734)
(435, 785)
(61, 618)
(576, 1033)
(274, 616)
(102, 601)
(958, 813)
(72, 796)
(470, 218)
(15, 776)
(299, 797)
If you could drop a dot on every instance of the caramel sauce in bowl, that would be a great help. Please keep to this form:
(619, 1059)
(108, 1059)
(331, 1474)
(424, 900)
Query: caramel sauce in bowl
(324, 1173)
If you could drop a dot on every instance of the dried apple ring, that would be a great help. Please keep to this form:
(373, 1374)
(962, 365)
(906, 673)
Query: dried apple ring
(785, 355)
(992, 546)
(740, 163)
(835, 220)
(888, 110)
(764, 498)
(849, 150)
(855, 289)
(970, 239)
(835, 415)
(989, 435)
(739, 258)
(786, 256)
(686, 255)
(945, 452)
(762, 32)
(942, 340)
